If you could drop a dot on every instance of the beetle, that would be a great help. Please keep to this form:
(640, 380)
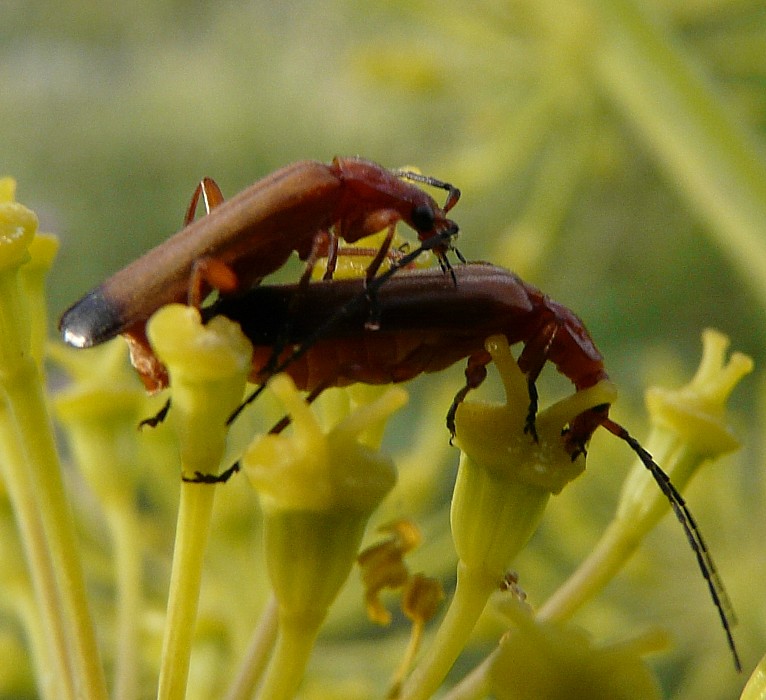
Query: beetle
(427, 324)
(304, 207)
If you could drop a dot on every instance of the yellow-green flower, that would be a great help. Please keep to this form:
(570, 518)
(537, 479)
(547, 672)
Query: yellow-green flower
(317, 491)
(540, 659)
(503, 484)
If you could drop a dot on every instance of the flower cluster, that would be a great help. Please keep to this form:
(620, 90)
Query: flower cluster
(237, 622)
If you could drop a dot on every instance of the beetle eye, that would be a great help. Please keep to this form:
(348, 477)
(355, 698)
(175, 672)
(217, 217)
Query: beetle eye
(423, 217)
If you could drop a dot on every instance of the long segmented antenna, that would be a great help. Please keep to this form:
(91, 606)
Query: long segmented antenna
(693, 535)
(453, 193)
(367, 298)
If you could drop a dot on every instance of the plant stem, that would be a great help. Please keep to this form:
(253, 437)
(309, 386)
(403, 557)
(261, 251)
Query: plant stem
(471, 595)
(257, 655)
(192, 532)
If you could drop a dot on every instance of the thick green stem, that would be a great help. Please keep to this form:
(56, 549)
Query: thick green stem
(34, 430)
(614, 548)
(21, 491)
(295, 642)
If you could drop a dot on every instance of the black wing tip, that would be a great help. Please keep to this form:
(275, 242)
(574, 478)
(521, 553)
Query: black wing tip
(91, 321)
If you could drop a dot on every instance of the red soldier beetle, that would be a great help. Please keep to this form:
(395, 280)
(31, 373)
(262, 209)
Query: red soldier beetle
(305, 207)
(427, 323)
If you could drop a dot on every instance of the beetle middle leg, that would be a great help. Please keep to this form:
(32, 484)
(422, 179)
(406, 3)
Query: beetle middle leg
(225, 475)
(207, 272)
(211, 195)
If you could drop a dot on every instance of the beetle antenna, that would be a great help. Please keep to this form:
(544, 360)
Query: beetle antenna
(693, 535)
(453, 193)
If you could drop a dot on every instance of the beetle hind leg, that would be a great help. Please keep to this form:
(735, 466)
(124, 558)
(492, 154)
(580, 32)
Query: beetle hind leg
(475, 374)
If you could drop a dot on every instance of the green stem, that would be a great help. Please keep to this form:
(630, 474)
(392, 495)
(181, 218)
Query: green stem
(192, 533)
(33, 475)
(257, 655)
(471, 594)
(295, 642)
(49, 686)
(710, 157)
(610, 554)
(21, 491)
(33, 429)
(126, 538)
(473, 686)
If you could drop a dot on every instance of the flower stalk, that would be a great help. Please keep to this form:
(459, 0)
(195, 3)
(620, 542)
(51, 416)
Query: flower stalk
(100, 411)
(208, 367)
(31, 467)
(689, 430)
(317, 492)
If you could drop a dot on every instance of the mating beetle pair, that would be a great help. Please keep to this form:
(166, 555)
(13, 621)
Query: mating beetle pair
(425, 321)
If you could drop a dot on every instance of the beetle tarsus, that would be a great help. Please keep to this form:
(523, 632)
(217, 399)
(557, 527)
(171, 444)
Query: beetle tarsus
(203, 478)
(157, 418)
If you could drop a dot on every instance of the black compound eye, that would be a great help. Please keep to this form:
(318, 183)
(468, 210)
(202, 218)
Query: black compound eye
(423, 217)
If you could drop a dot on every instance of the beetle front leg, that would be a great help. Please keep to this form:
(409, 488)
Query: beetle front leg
(578, 433)
(323, 244)
(332, 257)
(373, 320)
(382, 253)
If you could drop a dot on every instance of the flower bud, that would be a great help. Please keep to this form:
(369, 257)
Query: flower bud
(208, 366)
(317, 492)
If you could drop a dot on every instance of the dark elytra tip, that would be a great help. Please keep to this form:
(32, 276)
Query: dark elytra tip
(91, 321)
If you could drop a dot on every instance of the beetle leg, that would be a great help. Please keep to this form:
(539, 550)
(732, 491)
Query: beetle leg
(323, 243)
(373, 319)
(211, 195)
(210, 273)
(202, 478)
(157, 418)
(224, 476)
(312, 396)
(475, 374)
(581, 428)
(382, 253)
(529, 424)
(332, 257)
(531, 361)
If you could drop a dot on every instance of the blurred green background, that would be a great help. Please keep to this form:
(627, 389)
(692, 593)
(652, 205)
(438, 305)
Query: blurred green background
(612, 153)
